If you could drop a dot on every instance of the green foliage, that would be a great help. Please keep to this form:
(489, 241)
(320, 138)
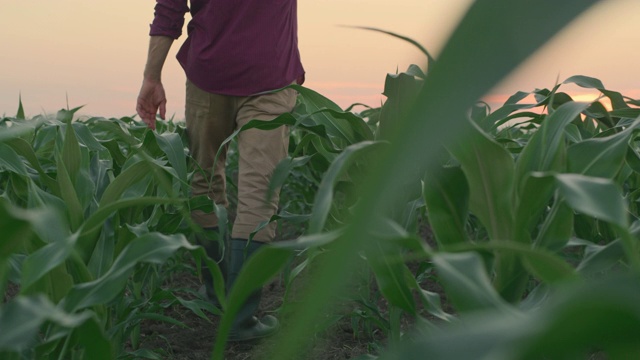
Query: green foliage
(67, 206)
(515, 175)
(533, 206)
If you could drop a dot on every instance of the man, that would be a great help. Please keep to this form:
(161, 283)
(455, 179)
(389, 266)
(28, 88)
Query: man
(236, 52)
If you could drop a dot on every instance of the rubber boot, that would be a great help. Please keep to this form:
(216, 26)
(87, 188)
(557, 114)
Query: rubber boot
(247, 326)
(216, 251)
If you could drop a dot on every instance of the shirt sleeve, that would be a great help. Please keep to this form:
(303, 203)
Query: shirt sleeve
(169, 18)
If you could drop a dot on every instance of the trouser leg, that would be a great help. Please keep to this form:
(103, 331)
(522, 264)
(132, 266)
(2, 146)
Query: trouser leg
(260, 151)
(210, 119)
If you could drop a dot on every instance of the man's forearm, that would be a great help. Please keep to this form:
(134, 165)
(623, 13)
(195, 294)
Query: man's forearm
(158, 49)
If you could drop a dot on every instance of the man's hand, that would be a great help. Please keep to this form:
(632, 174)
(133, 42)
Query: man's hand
(151, 100)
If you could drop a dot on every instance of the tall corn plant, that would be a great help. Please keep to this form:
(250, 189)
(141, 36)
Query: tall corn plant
(85, 205)
(524, 194)
(526, 199)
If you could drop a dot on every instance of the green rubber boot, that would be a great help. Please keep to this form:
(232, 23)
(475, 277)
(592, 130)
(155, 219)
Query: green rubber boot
(216, 251)
(247, 326)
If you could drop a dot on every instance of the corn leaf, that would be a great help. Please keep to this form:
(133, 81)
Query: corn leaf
(75, 212)
(125, 180)
(172, 146)
(10, 160)
(466, 282)
(617, 100)
(387, 264)
(537, 190)
(24, 149)
(103, 254)
(604, 313)
(15, 228)
(601, 258)
(282, 170)
(151, 248)
(557, 229)
(315, 102)
(489, 170)
(446, 194)
(20, 114)
(600, 157)
(87, 232)
(87, 138)
(597, 197)
(70, 154)
(92, 340)
(324, 196)
(310, 241)
(543, 150)
(50, 256)
(25, 316)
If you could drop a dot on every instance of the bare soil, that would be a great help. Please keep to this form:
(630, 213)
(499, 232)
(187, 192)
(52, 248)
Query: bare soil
(339, 341)
(10, 292)
(196, 341)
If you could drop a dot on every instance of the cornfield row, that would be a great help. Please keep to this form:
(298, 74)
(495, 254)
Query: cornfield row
(534, 209)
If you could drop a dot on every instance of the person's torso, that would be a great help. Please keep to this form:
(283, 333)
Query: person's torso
(239, 47)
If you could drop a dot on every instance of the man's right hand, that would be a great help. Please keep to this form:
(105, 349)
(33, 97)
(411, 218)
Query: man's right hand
(151, 100)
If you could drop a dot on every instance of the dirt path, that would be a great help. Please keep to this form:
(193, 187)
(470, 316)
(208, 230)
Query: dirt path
(195, 342)
(344, 339)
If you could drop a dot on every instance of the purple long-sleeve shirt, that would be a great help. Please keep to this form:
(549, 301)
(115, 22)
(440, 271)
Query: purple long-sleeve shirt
(234, 47)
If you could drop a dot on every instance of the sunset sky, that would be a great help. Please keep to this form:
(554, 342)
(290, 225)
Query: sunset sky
(94, 51)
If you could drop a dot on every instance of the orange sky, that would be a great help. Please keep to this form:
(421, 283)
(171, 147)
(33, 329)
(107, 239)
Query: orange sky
(93, 52)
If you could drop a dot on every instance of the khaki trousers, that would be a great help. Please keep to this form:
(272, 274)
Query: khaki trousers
(211, 118)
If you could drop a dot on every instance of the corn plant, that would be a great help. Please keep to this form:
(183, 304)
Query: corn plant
(86, 205)
(530, 196)
(533, 207)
